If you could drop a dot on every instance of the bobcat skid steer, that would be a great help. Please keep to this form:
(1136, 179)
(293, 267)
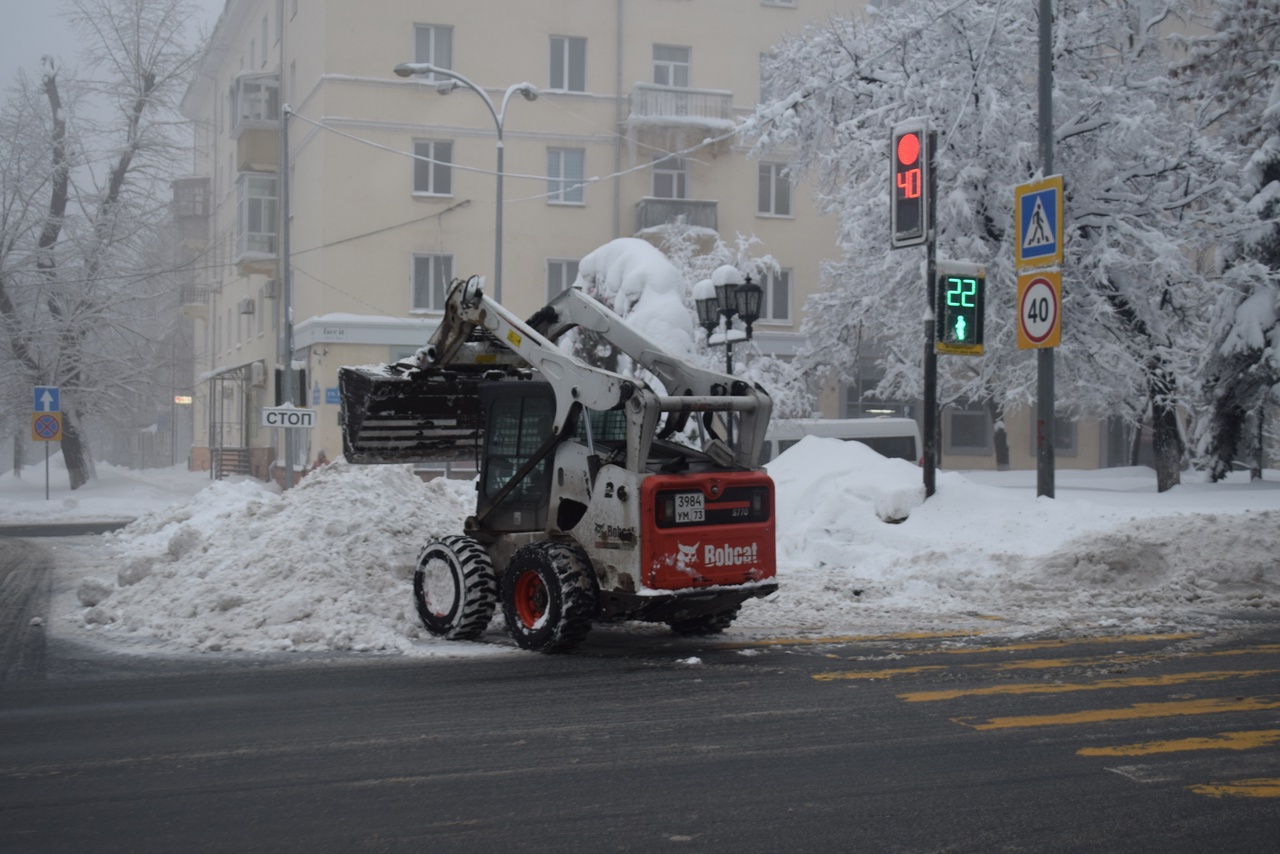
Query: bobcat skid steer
(592, 504)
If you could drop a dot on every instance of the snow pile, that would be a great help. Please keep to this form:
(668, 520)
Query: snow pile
(325, 566)
(116, 494)
(641, 285)
(972, 549)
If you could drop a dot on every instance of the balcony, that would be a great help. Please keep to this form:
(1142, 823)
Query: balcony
(699, 213)
(669, 117)
(195, 301)
(257, 206)
(652, 104)
(190, 209)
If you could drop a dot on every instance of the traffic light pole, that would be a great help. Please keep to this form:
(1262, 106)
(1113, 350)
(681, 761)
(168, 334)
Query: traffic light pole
(930, 457)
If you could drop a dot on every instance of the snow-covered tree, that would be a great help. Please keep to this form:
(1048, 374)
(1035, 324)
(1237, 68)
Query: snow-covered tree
(1141, 185)
(82, 197)
(1233, 76)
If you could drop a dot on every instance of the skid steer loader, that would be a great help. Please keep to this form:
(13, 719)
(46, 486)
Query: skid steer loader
(593, 505)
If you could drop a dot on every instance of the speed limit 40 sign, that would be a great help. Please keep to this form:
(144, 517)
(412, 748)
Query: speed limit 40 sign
(1039, 309)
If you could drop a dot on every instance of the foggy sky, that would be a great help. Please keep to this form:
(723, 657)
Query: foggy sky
(31, 28)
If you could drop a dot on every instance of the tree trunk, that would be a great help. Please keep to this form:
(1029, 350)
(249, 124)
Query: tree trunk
(999, 436)
(1166, 438)
(75, 451)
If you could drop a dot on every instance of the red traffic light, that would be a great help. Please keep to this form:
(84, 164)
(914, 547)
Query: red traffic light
(908, 149)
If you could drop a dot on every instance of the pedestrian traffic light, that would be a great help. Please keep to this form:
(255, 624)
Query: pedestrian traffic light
(909, 210)
(959, 312)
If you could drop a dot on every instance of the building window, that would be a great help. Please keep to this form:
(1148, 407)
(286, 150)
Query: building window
(433, 44)
(670, 178)
(774, 197)
(261, 311)
(256, 212)
(432, 274)
(569, 63)
(564, 175)
(433, 167)
(671, 65)
(264, 39)
(776, 305)
(1064, 436)
(860, 401)
(968, 429)
(561, 273)
(255, 100)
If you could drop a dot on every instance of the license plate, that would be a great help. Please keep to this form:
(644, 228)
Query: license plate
(690, 508)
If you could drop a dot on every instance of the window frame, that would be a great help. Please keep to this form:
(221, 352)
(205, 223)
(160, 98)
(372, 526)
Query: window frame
(970, 409)
(562, 187)
(434, 167)
(562, 61)
(252, 203)
(563, 281)
(255, 102)
(436, 292)
(771, 177)
(433, 45)
(669, 68)
(679, 174)
(768, 305)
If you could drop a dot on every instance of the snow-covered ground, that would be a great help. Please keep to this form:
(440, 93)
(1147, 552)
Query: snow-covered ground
(222, 566)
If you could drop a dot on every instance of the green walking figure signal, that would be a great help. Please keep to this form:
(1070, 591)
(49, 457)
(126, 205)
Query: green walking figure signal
(959, 312)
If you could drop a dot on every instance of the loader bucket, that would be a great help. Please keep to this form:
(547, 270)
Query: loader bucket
(395, 415)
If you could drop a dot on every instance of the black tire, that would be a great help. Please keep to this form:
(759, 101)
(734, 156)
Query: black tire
(706, 624)
(549, 597)
(455, 588)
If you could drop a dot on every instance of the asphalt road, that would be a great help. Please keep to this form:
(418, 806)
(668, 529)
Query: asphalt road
(1160, 743)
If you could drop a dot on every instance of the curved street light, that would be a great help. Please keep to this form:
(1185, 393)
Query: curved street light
(527, 90)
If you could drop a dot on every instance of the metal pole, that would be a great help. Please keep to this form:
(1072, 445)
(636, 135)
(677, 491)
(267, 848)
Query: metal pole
(286, 294)
(1044, 358)
(931, 438)
(497, 242)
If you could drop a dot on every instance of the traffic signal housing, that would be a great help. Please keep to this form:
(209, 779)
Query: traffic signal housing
(961, 294)
(910, 157)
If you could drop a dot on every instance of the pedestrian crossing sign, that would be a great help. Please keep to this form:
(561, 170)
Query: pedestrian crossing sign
(1038, 212)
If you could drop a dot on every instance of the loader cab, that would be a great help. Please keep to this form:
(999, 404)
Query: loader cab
(519, 416)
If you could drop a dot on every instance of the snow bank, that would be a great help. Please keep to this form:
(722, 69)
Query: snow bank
(327, 565)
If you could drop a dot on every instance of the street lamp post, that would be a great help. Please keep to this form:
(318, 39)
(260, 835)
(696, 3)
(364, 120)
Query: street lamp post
(527, 90)
(727, 294)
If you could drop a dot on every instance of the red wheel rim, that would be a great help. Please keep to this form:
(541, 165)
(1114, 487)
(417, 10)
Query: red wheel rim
(530, 599)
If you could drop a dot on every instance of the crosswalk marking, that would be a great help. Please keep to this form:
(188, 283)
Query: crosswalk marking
(1264, 787)
(1137, 711)
(1068, 687)
(1243, 740)
(876, 674)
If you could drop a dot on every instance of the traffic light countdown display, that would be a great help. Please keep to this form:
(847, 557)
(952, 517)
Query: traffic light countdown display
(909, 211)
(959, 312)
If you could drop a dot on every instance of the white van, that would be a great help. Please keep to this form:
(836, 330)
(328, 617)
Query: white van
(892, 437)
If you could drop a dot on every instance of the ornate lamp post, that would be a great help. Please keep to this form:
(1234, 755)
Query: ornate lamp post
(725, 295)
(527, 90)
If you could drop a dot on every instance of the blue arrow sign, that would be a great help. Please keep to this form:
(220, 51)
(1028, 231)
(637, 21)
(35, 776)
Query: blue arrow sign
(47, 399)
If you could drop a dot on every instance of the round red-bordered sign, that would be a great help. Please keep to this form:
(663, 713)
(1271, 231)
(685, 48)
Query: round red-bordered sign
(1038, 311)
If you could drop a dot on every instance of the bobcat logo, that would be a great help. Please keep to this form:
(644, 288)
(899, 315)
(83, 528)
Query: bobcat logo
(686, 556)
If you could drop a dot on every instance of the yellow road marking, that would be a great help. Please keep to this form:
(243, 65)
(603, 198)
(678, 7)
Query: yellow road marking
(1243, 740)
(1065, 642)
(1135, 712)
(1261, 787)
(876, 674)
(1068, 687)
(958, 633)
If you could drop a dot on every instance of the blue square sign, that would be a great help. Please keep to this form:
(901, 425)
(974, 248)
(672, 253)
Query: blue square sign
(1039, 218)
(47, 399)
